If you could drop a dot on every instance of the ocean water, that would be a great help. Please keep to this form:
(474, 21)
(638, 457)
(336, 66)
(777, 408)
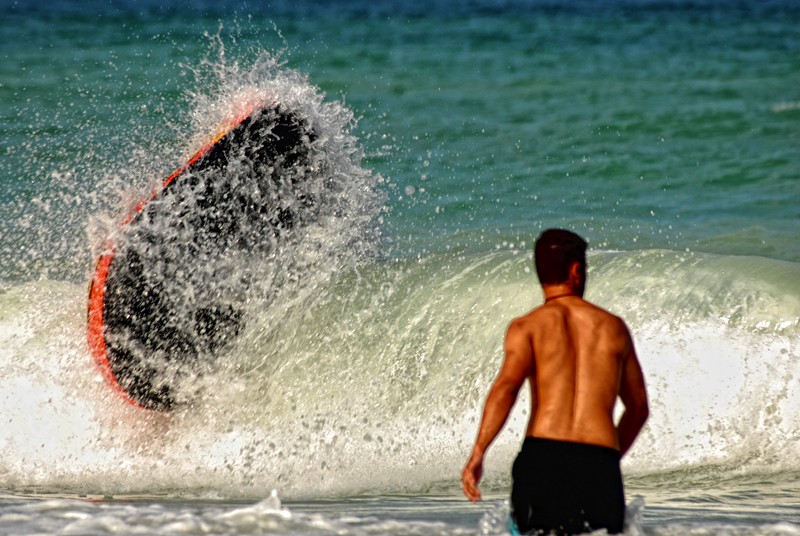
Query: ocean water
(665, 132)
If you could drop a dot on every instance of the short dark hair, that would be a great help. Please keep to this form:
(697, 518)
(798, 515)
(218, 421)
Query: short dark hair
(556, 250)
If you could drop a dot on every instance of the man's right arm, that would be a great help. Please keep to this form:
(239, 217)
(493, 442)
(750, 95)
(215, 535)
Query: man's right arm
(633, 394)
(517, 366)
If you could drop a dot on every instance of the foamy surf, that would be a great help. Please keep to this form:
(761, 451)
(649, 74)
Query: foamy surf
(386, 366)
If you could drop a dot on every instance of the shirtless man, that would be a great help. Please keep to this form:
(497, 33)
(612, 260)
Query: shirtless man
(578, 359)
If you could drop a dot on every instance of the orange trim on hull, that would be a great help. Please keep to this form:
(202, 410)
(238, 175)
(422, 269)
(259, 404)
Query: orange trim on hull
(97, 288)
(239, 119)
(94, 318)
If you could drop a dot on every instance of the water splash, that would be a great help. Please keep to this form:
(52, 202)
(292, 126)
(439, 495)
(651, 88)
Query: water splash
(274, 202)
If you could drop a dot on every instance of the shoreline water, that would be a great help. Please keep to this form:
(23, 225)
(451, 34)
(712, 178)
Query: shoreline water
(378, 514)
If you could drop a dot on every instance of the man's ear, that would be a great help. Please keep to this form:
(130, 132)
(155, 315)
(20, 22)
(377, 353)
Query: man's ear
(577, 278)
(576, 274)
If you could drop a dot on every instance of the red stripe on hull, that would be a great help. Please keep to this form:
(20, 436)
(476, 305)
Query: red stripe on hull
(95, 336)
(95, 328)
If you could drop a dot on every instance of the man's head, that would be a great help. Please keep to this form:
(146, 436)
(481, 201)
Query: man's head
(557, 250)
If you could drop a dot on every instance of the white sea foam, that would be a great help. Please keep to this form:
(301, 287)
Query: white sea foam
(376, 386)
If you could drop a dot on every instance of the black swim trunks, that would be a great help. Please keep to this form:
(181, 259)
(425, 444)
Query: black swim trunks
(562, 487)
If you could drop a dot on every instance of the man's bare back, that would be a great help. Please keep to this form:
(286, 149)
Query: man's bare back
(576, 352)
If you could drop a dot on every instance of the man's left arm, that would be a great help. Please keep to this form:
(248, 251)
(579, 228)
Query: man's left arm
(633, 394)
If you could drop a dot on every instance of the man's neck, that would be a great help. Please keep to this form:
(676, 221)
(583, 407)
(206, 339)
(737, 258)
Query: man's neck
(555, 292)
(558, 296)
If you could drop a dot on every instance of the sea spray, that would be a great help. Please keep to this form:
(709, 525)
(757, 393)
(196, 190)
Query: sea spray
(273, 205)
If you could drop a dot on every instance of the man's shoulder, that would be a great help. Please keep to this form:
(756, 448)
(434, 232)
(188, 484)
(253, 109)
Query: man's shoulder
(529, 317)
(526, 323)
(542, 313)
(612, 325)
(605, 313)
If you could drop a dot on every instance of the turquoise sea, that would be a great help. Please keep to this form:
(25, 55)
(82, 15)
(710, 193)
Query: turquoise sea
(667, 132)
